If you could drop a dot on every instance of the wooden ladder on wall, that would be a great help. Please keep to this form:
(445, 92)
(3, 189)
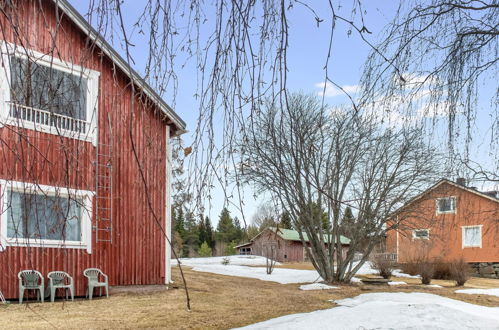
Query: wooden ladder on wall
(104, 186)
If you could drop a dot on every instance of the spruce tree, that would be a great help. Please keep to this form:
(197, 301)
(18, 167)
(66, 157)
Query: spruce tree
(347, 222)
(285, 220)
(179, 221)
(209, 232)
(202, 234)
(204, 250)
(225, 227)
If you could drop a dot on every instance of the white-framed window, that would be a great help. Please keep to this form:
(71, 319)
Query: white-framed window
(43, 93)
(472, 236)
(421, 234)
(446, 205)
(45, 216)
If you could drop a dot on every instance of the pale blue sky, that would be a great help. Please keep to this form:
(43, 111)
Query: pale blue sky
(306, 60)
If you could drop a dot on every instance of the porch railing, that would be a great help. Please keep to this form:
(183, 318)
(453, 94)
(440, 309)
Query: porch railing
(47, 119)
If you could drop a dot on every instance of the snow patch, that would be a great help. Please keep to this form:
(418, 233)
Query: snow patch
(434, 286)
(317, 286)
(279, 275)
(394, 283)
(490, 292)
(391, 311)
(233, 260)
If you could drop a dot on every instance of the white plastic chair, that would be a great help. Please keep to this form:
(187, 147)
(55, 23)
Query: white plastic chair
(93, 274)
(31, 280)
(60, 280)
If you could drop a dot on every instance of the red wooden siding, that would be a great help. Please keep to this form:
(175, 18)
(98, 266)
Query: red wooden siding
(137, 253)
(445, 230)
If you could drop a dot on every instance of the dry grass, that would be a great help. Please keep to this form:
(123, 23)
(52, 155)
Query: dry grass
(218, 302)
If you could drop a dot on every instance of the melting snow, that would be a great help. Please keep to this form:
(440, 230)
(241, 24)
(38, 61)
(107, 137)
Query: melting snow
(317, 286)
(392, 311)
(491, 292)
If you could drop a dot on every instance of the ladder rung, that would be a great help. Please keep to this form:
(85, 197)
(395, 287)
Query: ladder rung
(103, 219)
(104, 229)
(103, 208)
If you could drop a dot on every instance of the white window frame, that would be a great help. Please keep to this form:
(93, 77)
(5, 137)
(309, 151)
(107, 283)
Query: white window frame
(463, 230)
(85, 221)
(416, 237)
(453, 198)
(92, 76)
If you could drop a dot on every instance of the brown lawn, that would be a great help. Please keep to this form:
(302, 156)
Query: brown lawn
(218, 302)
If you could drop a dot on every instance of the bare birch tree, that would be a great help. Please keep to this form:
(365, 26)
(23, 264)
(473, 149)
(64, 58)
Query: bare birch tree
(307, 156)
(439, 59)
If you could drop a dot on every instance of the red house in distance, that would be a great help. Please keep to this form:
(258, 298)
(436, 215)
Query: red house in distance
(84, 153)
(450, 221)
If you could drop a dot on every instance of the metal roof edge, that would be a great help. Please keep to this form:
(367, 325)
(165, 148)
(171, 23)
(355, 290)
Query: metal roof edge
(80, 21)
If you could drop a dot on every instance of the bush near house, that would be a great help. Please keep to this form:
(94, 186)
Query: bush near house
(457, 270)
(384, 265)
(460, 271)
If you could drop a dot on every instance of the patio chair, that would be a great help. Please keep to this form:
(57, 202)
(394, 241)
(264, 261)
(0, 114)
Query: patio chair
(92, 274)
(31, 280)
(60, 280)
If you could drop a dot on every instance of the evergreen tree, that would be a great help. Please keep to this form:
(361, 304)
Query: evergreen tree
(348, 225)
(238, 231)
(285, 220)
(318, 215)
(225, 227)
(251, 232)
(179, 221)
(209, 232)
(203, 236)
(191, 238)
(204, 250)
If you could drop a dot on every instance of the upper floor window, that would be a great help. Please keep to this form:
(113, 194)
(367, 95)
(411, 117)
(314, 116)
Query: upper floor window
(472, 236)
(446, 205)
(48, 89)
(47, 94)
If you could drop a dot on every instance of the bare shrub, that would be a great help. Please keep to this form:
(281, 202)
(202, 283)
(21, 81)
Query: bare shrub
(410, 268)
(383, 265)
(459, 271)
(442, 270)
(426, 271)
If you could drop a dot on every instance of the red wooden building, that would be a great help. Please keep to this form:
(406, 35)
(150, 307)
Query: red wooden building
(449, 221)
(284, 245)
(84, 156)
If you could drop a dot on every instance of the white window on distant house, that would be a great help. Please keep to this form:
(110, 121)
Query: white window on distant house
(446, 205)
(472, 236)
(46, 94)
(421, 234)
(43, 216)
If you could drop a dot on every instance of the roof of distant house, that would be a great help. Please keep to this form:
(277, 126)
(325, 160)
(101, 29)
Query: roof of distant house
(293, 235)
